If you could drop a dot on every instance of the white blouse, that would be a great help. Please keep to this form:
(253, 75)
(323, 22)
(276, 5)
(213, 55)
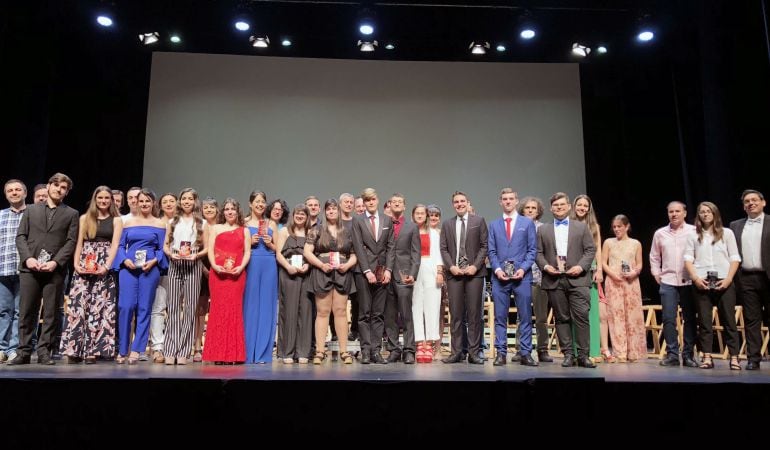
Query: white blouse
(707, 257)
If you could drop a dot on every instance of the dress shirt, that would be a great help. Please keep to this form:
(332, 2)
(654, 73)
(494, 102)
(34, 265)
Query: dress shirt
(667, 254)
(513, 223)
(751, 243)
(458, 231)
(712, 256)
(9, 256)
(376, 223)
(561, 234)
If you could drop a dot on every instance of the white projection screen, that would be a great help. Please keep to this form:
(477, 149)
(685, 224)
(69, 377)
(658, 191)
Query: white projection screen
(227, 125)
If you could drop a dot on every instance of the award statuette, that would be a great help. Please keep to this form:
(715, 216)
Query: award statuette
(625, 267)
(229, 263)
(140, 258)
(43, 257)
(296, 261)
(462, 262)
(334, 259)
(89, 263)
(561, 263)
(185, 248)
(509, 268)
(379, 273)
(711, 279)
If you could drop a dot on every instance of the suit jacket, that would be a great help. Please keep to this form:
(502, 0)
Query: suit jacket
(521, 249)
(406, 251)
(58, 238)
(370, 252)
(476, 242)
(737, 227)
(581, 251)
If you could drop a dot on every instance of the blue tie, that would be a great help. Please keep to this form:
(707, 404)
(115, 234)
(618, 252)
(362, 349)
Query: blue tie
(561, 222)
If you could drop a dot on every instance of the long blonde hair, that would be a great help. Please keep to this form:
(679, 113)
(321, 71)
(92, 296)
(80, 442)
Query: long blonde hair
(92, 215)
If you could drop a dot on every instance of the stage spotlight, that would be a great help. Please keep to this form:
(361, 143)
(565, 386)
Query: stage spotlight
(367, 46)
(390, 46)
(175, 39)
(527, 33)
(366, 29)
(105, 21)
(242, 26)
(601, 50)
(479, 47)
(500, 48)
(259, 41)
(645, 36)
(580, 50)
(286, 43)
(149, 38)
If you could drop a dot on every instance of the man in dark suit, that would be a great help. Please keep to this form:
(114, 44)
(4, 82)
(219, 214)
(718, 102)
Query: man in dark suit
(373, 244)
(463, 250)
(46, 240)
(752, 234)
(406, 265)
(565, 250)
(512, 251)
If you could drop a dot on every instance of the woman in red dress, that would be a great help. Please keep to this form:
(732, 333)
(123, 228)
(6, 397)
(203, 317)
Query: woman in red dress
(231, 244)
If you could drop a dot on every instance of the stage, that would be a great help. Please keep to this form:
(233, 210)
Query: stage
(436, 402)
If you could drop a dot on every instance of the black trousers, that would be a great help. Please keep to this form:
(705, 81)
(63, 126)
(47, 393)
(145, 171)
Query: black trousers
(725, 303)
(465, 301)
(34, 285)
(754, 289)
(371, 313)
(399, 302)
(571, 305)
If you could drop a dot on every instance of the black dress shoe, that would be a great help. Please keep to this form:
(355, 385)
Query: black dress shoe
(752, 365)
(365, 358)
(670, 361)
(688, 361)
(474, 359)
(499, 360)
(585, 361)
(569, 360)
(453, 359)
(543, 356)
(378, 359)
(394, 356)
(516, 358)
(408, 358)
(352, 336)
(19, 360)
(527, 360)
(45, 359)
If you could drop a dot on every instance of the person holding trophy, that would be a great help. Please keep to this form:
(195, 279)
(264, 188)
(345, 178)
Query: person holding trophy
(711, 258)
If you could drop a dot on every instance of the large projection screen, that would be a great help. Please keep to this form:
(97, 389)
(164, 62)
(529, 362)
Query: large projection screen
(227, 125)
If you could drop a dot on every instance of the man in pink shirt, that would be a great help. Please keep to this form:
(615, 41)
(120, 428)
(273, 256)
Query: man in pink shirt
(667, 266)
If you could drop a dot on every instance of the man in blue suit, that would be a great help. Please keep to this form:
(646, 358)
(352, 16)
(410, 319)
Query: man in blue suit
(512, 251)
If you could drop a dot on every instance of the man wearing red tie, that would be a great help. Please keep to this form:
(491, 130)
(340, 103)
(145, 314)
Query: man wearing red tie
(512, 250)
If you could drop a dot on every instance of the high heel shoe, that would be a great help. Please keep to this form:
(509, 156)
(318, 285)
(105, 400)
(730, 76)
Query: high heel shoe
(734, 364)
(421, 357)
(608, 358)
(319, 357)
(169, 361)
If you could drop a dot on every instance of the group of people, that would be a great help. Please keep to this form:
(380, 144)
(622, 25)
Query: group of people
(176, 265)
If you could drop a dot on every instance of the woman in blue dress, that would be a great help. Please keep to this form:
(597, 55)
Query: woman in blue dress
(139, 258)
(260, 299)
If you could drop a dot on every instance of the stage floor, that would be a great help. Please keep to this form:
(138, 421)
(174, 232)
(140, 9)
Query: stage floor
(647, 371)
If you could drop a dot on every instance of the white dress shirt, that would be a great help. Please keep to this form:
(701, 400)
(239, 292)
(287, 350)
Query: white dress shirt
(561, 233)
(376, 223)
(708, 257)
(751, 243)
(513, 223)
(458, 230)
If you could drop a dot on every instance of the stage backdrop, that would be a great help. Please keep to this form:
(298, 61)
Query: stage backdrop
(227, 125)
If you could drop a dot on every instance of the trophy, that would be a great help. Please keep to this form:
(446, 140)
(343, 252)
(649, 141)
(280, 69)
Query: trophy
(561, 263)
(625, 267)
(43, 257)
(334, 259)
(403, 274)
(89, 263)
(462, 262)
(711, 278)
(185, 248)
(509, 268)
(296, 261)
(229, 263)
(140, 258)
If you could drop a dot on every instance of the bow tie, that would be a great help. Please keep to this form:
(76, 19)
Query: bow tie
(757, 220)
(558, 222)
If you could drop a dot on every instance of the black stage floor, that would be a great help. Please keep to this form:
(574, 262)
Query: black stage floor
(198, 403)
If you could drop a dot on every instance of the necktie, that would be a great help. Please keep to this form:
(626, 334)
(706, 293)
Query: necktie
(462, 253)
(373, 227)
(558, 222)
(508, 228)
(396, 228)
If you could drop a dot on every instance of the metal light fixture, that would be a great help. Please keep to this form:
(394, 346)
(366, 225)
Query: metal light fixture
(479, 47)
(149, 38)
(367, 46)
(580, 50)
(259, 41)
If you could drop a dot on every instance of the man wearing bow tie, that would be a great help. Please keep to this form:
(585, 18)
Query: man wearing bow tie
(565, 250)
(753, 238)
(512, 250)
(464, 248)
(373, 244)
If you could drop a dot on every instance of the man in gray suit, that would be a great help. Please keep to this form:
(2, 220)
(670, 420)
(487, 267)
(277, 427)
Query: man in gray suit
(373, 244)
(464, 249)
(565, 250)
(405, 268)
(752, 234)
(45, 240)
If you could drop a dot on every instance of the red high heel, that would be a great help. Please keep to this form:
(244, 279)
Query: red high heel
(420, 356)
(428, 353)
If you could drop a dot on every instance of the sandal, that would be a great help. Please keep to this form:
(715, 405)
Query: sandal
(734, 365)
(302, 360)
(157, 357)
(346, 358)
(319, 357)
(707, 362)
(120, 359)
(198, 356)
(608, 358)
(133, 359)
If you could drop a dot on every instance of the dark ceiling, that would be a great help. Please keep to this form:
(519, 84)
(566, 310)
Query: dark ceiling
(426, 30)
